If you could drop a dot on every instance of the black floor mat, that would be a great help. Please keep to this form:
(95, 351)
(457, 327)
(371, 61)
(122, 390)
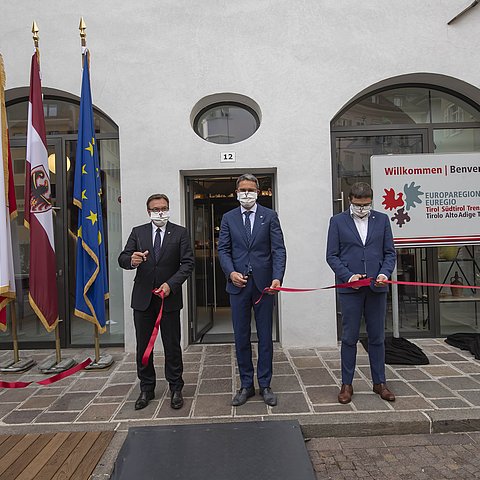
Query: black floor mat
(225, 451)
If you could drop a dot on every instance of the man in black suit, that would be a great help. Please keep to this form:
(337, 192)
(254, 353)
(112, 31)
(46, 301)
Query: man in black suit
(162, 254)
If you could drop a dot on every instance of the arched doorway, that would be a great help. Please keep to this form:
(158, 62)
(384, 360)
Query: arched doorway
(61, 120)
(409, 115)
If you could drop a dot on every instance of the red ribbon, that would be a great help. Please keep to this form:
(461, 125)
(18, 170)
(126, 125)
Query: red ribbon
(49, 380)
(364, 282)
(429, 284)
(154, 335)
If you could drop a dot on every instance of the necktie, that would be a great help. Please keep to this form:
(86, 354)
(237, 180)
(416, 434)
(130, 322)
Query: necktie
(248, 225)
(157, 244)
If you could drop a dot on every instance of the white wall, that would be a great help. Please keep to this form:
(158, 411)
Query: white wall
(300, 61)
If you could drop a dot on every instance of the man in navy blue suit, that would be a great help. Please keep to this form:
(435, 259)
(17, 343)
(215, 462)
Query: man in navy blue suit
(253, 257)
(360, 244)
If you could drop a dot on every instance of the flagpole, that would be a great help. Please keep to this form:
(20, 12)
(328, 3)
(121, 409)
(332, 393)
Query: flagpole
(16, 365)
(50, 365)
(16, 356)
(106, 360)
(97, 345)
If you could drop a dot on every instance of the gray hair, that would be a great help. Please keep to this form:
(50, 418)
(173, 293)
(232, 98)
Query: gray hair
(249, 177)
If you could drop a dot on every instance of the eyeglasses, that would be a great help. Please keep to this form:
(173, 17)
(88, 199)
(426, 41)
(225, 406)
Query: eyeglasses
(158, 210)
(361, 205)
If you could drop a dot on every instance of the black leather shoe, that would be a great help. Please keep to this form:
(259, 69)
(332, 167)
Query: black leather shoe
(176, 399)
(242, 396)
(268, 396)
(144, 399)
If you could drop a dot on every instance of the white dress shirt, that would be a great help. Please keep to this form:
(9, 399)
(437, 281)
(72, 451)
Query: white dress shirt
(362, 226)
(362, 229)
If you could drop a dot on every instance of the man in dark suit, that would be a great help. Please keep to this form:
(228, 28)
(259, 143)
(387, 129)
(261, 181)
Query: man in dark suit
(252, 255)
(162, 254)
(360, 244)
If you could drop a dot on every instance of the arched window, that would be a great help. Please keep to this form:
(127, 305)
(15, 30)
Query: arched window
(409, 115)
(61, 111)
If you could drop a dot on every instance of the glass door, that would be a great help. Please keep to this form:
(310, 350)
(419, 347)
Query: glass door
(352, 164)
(208, 198)
(204, 295)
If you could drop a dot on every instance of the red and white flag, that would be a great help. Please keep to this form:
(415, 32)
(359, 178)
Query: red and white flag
(8, 210)
(43, 294)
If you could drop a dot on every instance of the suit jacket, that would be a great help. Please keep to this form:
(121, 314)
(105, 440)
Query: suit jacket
(174, 265)
(266, 253)
(347, 255)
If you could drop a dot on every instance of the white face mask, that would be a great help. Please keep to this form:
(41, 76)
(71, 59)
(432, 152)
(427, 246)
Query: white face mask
(160, 219)
(247, 199)
(360, 212)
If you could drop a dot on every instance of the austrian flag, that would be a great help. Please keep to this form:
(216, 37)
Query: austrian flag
(43, 294)
(8, 210)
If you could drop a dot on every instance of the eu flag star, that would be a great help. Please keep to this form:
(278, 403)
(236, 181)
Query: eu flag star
(92, 217)
(84, 171)
(90, 148)
(84, 196)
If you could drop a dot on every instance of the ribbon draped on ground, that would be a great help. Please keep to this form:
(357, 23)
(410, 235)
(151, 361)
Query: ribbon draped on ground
(154, 335)
(49, 380)
(364, 282)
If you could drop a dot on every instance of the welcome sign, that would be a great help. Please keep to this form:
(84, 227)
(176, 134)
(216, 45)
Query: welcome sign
(430, 199)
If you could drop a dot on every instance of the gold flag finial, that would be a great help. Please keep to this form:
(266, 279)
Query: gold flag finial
(35, 33)
(82, 27)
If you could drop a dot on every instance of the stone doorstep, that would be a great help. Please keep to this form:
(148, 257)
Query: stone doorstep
(345, 424)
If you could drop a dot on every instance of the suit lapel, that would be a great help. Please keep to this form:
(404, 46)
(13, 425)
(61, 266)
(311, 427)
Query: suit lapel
(351, 224)
(259, 219)
(371, 225)
(166, 239)
(240, 225)
(146, 240)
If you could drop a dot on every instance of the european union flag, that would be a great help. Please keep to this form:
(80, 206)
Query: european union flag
(92, 281)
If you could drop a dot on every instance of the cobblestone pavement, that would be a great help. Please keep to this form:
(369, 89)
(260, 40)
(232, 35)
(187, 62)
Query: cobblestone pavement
(431, 399)
(397, 457)
(306, 381)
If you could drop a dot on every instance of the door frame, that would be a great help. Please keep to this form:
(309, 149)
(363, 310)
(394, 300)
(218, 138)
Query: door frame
(227, 173)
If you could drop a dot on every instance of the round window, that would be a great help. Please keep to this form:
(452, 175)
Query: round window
(226, 122)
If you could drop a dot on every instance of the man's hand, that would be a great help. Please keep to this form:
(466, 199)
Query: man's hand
(379, 282)
(355, 278)
(165, 288)
(275, 284)
(138, 258)
(238, 279)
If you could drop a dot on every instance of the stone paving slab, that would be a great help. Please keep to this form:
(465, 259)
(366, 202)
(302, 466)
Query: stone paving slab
(443, 396)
